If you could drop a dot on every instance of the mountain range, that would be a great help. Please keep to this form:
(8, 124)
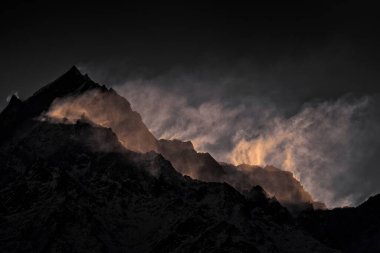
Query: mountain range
(80, 172)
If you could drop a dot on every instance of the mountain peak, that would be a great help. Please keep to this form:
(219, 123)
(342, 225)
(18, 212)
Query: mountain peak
(72, 73)
(71, 81)
(14, 100)
(74, 70)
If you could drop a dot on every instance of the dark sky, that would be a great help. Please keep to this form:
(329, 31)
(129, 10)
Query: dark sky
(269, 67)
(316, 49)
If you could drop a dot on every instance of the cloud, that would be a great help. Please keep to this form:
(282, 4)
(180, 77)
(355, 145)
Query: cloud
(105, 109)
(320, 143)
(314, 144)
(211, 125)
(292, 113)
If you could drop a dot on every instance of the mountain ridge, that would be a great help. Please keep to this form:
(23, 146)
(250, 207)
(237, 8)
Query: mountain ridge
(74, 96)
(78, 188)
(81, 172)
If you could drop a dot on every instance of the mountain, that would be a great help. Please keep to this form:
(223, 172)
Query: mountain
(75, 96)
(80, 172)
(72, 186)
(348, 229)
(75, 188)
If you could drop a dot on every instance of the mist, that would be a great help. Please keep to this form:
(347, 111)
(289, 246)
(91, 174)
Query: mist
(326, 143)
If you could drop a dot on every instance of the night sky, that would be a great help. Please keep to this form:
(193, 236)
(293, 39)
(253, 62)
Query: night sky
(315, 49)
(282, 56)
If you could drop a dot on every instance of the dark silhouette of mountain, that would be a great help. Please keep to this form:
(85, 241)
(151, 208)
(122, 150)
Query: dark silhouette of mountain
(80, 172)
(348, 229)
(281, 184)
(74, 96)
(73, 187)
(17, 114)
(189, 162)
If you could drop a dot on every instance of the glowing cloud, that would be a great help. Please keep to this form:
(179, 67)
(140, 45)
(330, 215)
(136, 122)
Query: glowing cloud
(316, 144)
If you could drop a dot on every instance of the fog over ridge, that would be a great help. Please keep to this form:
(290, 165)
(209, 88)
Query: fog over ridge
(321, 144)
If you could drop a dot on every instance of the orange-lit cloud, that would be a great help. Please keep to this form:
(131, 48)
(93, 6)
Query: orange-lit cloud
(313, 144)
(107, 110)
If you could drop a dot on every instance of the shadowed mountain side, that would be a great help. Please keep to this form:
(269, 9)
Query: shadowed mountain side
(281, 184)
(189, 162)
(276, 182)
(74, 187)
(347, 229)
